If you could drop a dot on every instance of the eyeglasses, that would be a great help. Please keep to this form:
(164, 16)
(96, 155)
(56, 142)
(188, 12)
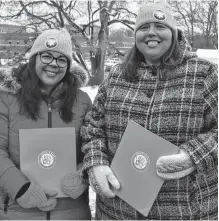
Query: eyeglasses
(47, 58)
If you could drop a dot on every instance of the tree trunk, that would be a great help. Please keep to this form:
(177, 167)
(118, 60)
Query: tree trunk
(98, 59)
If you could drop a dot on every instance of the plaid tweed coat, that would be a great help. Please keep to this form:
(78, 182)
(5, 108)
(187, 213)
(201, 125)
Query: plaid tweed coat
(178, 104)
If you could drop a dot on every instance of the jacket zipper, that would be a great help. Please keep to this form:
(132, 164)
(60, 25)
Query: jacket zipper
(6, 204)
(49, 115)
(49, 126)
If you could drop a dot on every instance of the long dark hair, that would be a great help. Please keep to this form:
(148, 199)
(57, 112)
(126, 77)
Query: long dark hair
(134, 57)
(30, 96)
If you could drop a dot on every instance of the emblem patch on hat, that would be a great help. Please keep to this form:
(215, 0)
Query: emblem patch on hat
(47, 159)
(140, 161)
(51, 43)
(159, 15)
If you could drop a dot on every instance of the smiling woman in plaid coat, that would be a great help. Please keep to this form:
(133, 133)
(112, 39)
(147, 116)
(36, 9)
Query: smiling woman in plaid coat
(167, 89)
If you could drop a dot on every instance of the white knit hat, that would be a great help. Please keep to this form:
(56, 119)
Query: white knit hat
(155, 11)
(53, 40)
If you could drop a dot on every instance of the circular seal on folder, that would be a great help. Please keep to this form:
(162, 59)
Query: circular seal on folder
(140, 161)
(47, 159)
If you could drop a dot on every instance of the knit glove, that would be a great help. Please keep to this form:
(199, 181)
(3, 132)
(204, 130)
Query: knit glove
(175, 166)
(74, 184)
(35, 196)
(101, 177)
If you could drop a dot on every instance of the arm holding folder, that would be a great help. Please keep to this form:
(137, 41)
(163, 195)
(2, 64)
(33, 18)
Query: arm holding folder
(100, 174)
(13, 181)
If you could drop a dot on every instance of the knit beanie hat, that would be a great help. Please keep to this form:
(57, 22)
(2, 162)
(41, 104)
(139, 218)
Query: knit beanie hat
(155, 11)
(53, 40)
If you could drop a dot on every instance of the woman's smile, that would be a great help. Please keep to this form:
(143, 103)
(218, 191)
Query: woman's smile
(152, 43)
(50, 73)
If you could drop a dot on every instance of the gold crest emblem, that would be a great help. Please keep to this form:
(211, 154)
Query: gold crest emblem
(47, 159)
(140, 161)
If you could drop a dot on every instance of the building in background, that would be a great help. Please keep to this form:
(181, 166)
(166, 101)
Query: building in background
(14, 41)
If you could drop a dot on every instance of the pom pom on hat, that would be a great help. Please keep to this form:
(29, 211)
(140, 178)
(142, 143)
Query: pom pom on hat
(58, 40)
(155, 11)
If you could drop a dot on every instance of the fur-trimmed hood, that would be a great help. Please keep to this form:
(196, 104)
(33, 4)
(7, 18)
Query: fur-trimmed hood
(8, 82)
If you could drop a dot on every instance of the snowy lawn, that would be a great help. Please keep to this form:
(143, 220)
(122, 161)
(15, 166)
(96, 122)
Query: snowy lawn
(91, 91)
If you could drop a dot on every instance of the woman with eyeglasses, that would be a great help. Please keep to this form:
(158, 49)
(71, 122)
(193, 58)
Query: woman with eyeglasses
(42, 93)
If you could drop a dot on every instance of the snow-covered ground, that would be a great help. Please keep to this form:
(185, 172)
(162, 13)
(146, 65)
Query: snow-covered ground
(91, 91)
(92, 201)
(208, 54)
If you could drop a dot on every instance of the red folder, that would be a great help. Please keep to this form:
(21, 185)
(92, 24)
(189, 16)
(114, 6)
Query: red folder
(134, 165)
(47, 154)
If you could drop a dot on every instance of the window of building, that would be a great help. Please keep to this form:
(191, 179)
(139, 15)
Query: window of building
(18, 42)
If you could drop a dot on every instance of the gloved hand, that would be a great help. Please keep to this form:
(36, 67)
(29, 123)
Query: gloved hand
(35, 196)
(175, 166)
(101, 177)
(74, 184)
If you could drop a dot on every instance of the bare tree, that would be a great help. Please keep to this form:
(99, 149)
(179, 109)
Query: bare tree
(207, 18)
(42, 14)
(186, 16)
(197, 17)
